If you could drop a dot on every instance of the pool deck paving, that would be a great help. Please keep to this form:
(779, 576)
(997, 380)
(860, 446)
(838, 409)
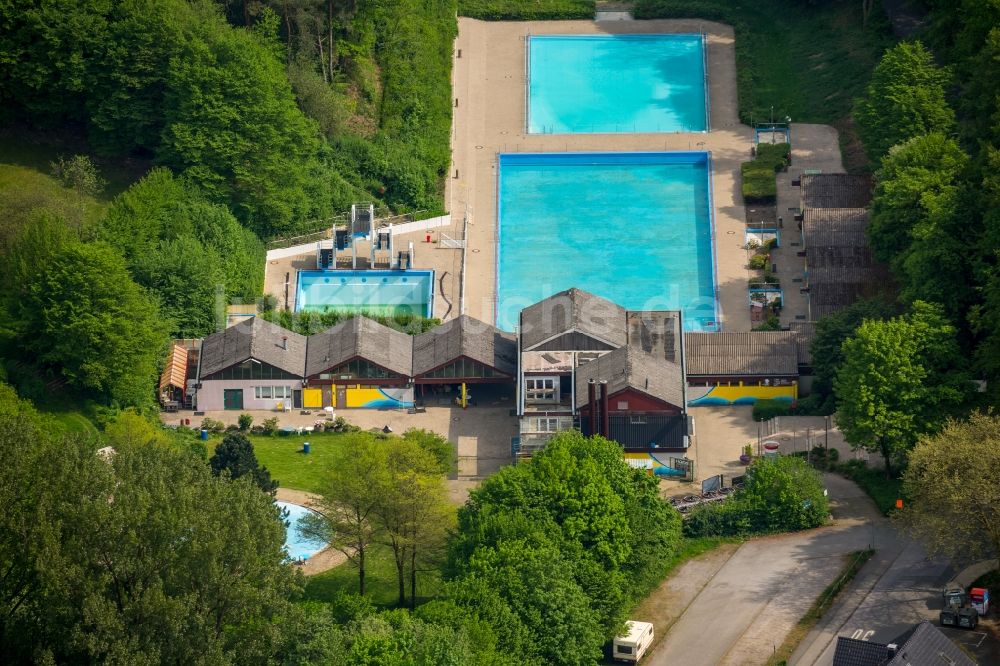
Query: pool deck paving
(444, 261)
(489, 87)
(489, 90)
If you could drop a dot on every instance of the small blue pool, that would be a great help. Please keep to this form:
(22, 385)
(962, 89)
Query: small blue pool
(374, 292)
(616, 83)
(297, 545)
(634, 228)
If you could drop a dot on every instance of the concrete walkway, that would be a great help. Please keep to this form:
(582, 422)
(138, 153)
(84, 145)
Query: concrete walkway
(814, 147)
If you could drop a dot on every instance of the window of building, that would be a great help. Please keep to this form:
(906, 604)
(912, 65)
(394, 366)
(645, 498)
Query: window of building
(541, 389)
(637, 419)
(251, 369)
(622, 405)
(462, 367)
(546, 424)
(361, 369)
(272, 392)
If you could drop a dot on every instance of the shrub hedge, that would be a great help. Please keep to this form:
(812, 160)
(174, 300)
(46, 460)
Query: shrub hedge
(759, 185)
(780, 494)
(526, 10)
(764, 410)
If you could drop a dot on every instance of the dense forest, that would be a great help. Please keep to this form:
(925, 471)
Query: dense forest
(284, 112)
(257, 119)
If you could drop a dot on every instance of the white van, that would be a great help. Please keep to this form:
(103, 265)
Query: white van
(633, 644)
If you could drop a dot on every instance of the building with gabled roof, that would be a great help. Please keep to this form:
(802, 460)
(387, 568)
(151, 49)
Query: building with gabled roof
(464, 349)
(636, 357)
(252, 365)
(633, 397)
(572, 320)
(923, 645)
(359, 363)
(836, 190)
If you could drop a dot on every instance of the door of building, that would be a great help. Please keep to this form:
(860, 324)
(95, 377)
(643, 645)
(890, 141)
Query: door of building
(232, 398)
(327, 396)
(296, 398)
(341, 397)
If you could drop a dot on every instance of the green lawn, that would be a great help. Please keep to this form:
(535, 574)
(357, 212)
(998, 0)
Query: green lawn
(72, 422)
(380, 582)
(283, 457)
(35, 150)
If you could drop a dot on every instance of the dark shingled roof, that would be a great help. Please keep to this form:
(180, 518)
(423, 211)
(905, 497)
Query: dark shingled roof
(832, 288)
(839, 262)
(854, 652)
(923, 645)
(804, 332)
(656, 332)
(836, 190)
(573, 309)
(360, 337)
(467, 337)
(253, 338)
(926, 644)
(741, 354)
(629, 367)
(841, 227)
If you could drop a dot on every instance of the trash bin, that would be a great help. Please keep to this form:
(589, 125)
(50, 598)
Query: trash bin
(204, 434)
(305, 447)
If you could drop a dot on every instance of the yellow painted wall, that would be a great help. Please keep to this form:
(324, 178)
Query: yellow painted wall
(740, 395)
(361, 397)
(312, 398)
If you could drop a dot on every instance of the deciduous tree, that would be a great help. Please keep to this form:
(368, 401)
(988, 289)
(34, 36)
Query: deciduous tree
(953, 486)
(905, 98)
(347, 506)
(140, 558)
(898, 380)
(83, 318)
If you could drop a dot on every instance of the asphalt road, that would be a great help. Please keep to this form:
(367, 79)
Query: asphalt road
(748, 607)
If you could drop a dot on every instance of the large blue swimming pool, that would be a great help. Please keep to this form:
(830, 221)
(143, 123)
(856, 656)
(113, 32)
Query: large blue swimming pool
(635, 228)
(374, 292)
(616, 83)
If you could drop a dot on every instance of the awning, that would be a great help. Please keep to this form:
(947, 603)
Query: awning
(175, 372)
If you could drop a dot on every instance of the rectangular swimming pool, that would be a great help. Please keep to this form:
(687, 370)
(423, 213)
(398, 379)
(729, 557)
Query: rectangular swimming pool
(376, 292)
(635, 228)
(616, 83)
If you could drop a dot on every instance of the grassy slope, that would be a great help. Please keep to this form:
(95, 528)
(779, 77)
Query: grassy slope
(883, 491)
(808, 61)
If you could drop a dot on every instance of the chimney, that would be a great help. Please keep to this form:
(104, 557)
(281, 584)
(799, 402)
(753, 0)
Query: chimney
(605, 419)
(891, 649)
(284, 342)
(592, 403)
